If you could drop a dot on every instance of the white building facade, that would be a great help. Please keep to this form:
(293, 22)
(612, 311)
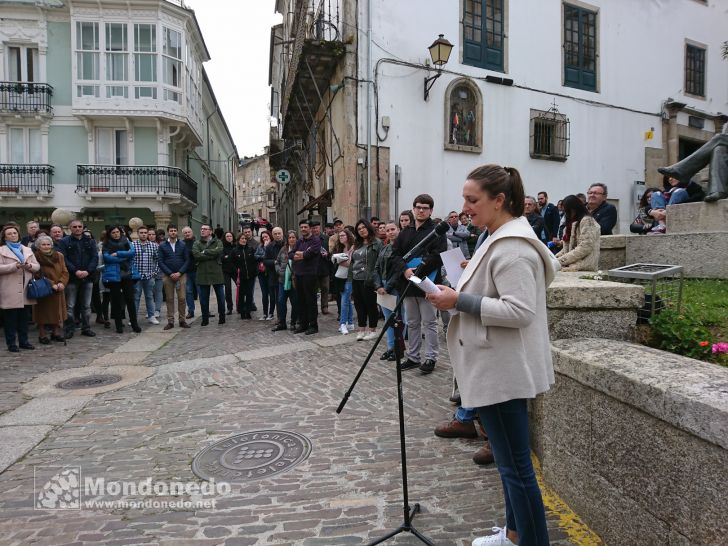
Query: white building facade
(568, 92)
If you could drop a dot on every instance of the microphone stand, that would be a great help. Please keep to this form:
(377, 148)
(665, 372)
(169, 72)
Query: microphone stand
(395, 320)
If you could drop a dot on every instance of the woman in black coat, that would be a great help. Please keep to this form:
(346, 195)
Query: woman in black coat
(229, 269)
(247, 271)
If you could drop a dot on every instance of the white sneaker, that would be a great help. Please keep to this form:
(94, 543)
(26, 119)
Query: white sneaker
(351, 327)
(264, 317)
(269, 317)
(343, 329)
(498, 539)
(156, 314)
(360, 335)
(370, 335)
(153, 320)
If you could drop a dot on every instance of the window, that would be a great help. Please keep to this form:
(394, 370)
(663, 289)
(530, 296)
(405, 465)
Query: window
(117, 59)
(549, 135)
(580, 48)
(483, 33)
(87, 58)
(694, 70)
(172, 55)
(464, 114)
(25, 145)
(145, 60)
(111, 147)
(22, 64)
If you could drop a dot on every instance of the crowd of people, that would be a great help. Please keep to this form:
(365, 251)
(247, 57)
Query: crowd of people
(299, 273)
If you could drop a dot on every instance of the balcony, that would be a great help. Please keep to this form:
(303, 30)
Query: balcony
(26, 98)
(98, 181)
(25, 181)
(318, 30)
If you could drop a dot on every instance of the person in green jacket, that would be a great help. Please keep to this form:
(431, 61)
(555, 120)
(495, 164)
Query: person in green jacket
(207, 254)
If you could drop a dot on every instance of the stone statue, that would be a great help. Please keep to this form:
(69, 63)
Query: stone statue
(713, 152)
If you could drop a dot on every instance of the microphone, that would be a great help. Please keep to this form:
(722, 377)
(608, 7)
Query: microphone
(420, 247)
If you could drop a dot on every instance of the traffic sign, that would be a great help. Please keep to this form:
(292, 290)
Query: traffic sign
(283, 176)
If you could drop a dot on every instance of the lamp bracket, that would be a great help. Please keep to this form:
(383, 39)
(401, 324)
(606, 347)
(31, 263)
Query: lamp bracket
(429, 82)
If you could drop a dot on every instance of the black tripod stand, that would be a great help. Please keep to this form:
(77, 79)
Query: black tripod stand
(395, 321)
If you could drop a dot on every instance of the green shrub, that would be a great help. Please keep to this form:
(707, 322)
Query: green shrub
(683, 333)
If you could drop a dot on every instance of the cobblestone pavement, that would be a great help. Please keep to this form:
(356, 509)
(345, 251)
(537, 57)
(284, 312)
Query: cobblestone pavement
(213, 382)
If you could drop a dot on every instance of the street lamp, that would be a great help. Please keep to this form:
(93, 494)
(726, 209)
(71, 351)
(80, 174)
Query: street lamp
(439, 53)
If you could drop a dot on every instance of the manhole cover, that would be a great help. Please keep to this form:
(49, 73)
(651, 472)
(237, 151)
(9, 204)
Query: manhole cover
(251, 456)
(89, 381)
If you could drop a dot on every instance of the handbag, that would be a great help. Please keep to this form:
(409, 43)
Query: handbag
(39, 288)
(638, 226)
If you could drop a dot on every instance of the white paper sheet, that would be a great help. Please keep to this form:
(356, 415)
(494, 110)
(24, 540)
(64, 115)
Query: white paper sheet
(426, 285)
(452, 259)
(388, 301)
(429, 287)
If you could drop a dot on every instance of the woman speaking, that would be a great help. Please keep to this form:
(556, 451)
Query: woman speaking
(499, 340)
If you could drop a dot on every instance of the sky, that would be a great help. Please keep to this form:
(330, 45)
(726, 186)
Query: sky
(237, 34)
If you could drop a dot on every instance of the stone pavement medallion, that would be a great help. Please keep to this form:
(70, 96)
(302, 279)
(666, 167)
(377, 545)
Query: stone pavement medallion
(89, 381)
(251, 456)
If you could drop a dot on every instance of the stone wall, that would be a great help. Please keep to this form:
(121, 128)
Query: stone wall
(635, 440)
(612, 252)
(702, 217)
(585, 308)
(701, 254)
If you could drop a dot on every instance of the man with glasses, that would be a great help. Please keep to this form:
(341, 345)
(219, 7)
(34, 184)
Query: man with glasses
(604, 213)
(458, 234)
(82, 259)
(207, 253)
(420, 312)
(146, 259)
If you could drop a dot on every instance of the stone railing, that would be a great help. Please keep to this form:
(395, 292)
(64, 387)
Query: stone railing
(635, 440)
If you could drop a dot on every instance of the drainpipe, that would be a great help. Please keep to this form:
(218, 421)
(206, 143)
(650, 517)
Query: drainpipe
(209, 171)
(368, 212)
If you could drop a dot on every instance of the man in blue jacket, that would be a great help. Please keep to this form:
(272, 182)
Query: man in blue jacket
(82, 259)
(604, 213)
(306, 256)
(551, 219)
(174, 261)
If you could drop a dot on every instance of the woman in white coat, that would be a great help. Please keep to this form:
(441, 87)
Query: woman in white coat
(17, 265)
(499, 341)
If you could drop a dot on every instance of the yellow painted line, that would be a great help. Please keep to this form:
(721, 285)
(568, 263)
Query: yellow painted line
(577, 531)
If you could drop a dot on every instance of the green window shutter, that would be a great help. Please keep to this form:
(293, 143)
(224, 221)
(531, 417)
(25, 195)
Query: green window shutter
(483, 35)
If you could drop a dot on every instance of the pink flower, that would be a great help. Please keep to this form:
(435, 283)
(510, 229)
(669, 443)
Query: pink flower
(721, 347)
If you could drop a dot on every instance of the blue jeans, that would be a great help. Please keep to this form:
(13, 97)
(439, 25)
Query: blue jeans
(205, 299)
(506, 425)
(147, 285)
(347, 308)
(158, 290)
(283, 297)
(390, 331)
(191, 291)
(85, 289)
(658, 201)
(265, 294)
(465, 415)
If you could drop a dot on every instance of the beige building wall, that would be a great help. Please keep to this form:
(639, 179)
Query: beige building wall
(256, 189)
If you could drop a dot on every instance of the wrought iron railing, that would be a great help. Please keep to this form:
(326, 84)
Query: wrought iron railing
(136, 179)
(323, 20)
(26, 179)
(25, 97)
